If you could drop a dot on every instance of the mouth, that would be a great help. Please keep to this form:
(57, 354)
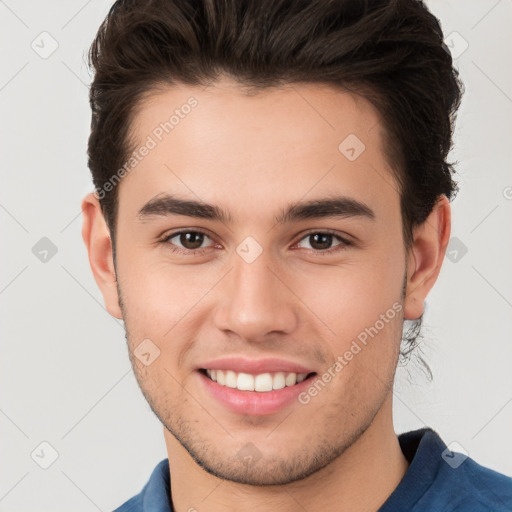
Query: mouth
(261, 383)
(255, 387)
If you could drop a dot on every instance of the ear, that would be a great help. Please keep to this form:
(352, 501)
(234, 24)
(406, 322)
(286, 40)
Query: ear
(426, 256)
(96, 237)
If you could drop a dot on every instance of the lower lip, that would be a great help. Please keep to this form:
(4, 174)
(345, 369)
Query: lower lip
(254, 403)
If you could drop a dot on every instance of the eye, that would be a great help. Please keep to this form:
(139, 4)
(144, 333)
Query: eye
(190, 241)
(321, 241)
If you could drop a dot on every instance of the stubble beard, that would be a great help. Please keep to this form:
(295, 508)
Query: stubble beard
(268, 470)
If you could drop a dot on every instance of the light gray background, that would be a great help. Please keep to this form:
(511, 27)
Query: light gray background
(65, 373)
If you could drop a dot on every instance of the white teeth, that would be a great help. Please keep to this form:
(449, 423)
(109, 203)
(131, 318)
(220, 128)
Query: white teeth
(262, 383)
(231, 380)
(245, 382)
(279, 381)
(291, 379)
(221, 377)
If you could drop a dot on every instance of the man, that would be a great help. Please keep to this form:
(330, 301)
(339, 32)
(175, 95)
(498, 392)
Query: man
(272, 202)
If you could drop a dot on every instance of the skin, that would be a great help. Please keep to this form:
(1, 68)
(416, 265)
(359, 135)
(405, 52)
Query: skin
(253, 155)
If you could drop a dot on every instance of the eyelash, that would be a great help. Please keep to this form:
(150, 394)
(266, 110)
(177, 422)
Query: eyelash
(197, 252)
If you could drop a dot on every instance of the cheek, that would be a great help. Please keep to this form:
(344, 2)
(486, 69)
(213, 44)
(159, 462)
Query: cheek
(157, 294)
(348, 299)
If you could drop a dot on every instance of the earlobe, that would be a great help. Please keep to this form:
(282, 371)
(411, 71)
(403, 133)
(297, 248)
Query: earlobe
(96, 236)
(426, 256)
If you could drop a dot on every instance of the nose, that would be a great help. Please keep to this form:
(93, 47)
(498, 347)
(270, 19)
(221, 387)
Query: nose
(256, 301)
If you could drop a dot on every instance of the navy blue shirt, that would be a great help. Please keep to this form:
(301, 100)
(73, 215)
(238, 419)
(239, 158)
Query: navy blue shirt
(437, 480)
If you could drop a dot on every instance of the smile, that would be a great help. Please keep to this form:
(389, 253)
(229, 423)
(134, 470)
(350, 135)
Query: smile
(255, 387)
(263, 382)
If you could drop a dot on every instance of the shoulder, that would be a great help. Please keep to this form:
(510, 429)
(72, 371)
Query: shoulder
(132, 505)
(482, 485)
(472, 487)
(154, 493)
(441, 479)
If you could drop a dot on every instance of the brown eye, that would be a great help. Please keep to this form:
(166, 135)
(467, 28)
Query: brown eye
(186, 240)
(323, 242)
(320, 241)
(191, 240)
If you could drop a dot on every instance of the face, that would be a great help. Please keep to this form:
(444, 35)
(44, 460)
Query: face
(270, 286)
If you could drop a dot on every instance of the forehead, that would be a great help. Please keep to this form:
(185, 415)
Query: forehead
(298, 112)
(225, 146)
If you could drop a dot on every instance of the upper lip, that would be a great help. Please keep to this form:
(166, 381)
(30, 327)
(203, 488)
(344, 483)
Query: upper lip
(255, 366)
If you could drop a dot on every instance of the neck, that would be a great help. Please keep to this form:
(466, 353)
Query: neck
(359, 480)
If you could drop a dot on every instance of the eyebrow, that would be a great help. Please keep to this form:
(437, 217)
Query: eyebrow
(165, 205)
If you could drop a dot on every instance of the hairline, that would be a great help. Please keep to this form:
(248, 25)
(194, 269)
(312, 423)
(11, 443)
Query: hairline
(394, 157)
